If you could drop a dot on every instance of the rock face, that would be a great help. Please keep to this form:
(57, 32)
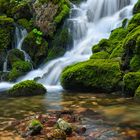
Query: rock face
(27, 88)
(45, 15)
(46, 39)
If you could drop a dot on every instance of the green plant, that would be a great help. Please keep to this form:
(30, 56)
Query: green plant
(38, 35)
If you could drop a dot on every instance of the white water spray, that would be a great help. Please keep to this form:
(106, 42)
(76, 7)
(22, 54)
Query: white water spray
(88, 23)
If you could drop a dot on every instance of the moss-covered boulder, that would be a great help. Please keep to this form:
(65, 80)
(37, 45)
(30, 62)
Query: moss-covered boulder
(36, 46)
(19, 68)
(131, 82)
(27, 88)
(96, 75)
(14, 55)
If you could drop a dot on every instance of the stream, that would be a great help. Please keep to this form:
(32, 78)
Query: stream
(110, 116)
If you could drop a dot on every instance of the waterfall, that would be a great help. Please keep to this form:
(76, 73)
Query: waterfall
(88, 23)
(5, 65)
(20, 35)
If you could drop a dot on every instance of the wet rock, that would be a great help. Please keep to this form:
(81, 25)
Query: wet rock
(81, 130)
(65, 126)
(56, 134)
(34, 128)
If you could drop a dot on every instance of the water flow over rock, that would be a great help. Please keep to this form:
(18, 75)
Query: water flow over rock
(20, 35)
(88, 23)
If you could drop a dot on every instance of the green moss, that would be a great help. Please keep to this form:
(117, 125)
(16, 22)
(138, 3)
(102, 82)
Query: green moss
(15, 55)
(22, 66)
(103, 45)
(134, 22)
(19, 68)
(100, 55)
(135, 63)
(60, 43)
(4, 20)
(25, 24)
(4, 4)
(36, 48)
(112, 44)
(117, 52)
(64, 12)
(5, 38)
(27, 88)
(131, 42)
(34, 123)
(131, 82)
(117, 36)
(6, 30)
(14, 74)
(100, 74)
(21, 9)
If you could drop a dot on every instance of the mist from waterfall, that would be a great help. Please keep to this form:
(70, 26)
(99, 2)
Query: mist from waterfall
(88, 23)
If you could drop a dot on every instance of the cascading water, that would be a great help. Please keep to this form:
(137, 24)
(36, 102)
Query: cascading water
(5, 65)
(20, 35)
(88, 23)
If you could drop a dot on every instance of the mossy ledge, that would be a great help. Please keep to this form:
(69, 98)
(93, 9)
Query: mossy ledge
(26, 88)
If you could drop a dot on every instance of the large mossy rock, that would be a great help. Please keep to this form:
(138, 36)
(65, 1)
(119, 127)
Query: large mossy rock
(27, 88)
(131, 82)
(96, 75)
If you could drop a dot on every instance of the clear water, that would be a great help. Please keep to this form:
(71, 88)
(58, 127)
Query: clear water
(102, 111)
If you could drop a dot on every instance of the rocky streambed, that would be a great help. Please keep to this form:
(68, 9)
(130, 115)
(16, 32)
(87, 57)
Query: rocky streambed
(70, 117)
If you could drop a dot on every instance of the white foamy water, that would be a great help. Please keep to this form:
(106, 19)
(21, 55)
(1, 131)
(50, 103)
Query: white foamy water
(88, 23)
